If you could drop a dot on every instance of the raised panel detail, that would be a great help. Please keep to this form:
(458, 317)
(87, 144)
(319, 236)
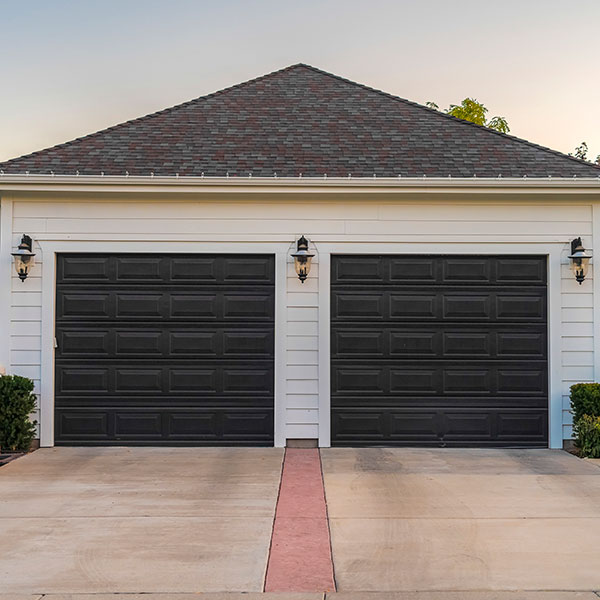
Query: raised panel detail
(138, 306)
(203, 343)
(194, 268)
(193, 380)
(465, 270)
(413, 381)
(358, 343)
(411, 343)
(467, 344)
(359, 380)
(83, 380)
(77, 268)
(138, 380)
(138, 424)
(358, 306)
(413, 306)
(82, 343)
(247, 307)
(138, 268)
(467, 306)
(529, 308)
(138, 342)
(72, 305)
(358, 269)
(521, 270)
(412, 269)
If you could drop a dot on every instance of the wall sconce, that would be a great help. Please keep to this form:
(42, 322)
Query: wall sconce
(24, 257)
(302, 259)
(580, 260)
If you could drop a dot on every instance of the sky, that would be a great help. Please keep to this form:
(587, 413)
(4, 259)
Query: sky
(69, 68)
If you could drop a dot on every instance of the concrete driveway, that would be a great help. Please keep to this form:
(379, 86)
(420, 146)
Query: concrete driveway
(406, 524)
(137, 520)
(441, 519)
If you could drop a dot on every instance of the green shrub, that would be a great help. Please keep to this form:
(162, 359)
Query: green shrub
(587, 436)
(17, 402)
(585, 400)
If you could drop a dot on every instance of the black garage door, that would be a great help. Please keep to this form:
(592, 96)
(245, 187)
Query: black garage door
(164, 349)
(439, 350)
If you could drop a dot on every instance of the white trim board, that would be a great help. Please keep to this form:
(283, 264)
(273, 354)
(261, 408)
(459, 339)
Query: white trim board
(552, 251)
(51, 249)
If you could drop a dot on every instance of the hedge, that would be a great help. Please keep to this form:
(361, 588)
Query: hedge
(585, 406)
(17, 402)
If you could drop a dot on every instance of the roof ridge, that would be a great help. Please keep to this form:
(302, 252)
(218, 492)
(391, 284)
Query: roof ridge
(160, 112)
(446, 115)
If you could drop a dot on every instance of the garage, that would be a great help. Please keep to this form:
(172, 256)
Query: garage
(164, 349)
(439, 351)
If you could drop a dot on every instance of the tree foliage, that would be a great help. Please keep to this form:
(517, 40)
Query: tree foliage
(475, 112)
(581, 152)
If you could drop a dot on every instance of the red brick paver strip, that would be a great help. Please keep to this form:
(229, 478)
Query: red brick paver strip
(300, 558)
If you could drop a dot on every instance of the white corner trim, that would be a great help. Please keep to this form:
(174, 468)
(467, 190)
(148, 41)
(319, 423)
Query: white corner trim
(555, 415)
(280, 394)
(47, 344)
(6, 226)
(324, 348)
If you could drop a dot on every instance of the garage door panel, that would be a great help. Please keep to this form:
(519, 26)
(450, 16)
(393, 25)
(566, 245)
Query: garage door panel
(431, 401)
(137, 378)
(440, 349)
(443, 377)
(148, 341)
(444, 305)
(447, 341)
(141, 342)
(435, 428)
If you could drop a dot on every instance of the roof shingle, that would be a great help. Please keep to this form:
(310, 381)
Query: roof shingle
(301, 120)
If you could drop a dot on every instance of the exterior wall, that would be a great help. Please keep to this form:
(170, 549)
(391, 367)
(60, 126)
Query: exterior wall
(334, 224)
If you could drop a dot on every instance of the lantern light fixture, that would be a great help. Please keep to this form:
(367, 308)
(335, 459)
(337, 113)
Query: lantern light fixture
(24, 257)
(580, 260)
(302, 259)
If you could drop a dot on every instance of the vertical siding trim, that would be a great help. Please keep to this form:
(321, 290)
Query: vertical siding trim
(280, 395)
(555, 371)
(596, 288)
(6, 221)
(47, 353)
(324, 349)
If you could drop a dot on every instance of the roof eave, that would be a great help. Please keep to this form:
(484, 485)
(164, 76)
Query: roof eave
(107, 183)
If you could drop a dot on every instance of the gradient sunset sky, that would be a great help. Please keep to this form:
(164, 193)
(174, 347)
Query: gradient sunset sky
(71, 68)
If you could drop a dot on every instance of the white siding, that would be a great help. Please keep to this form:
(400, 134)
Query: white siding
(327, 221)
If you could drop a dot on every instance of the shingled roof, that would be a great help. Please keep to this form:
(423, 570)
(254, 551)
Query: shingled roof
(301, 120)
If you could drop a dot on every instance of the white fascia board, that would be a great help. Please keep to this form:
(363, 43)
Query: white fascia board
(154, 184)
